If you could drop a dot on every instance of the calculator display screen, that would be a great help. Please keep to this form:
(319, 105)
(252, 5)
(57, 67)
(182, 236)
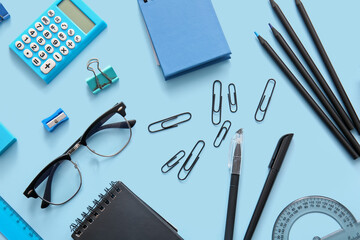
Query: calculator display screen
(76, 15)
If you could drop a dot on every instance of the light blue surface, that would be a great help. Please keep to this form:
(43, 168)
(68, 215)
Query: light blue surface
(100, 25)
(315, 164)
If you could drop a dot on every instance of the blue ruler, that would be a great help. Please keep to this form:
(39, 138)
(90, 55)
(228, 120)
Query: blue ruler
(12, 226)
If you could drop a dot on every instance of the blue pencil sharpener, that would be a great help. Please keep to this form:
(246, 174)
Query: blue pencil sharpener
(54, 120)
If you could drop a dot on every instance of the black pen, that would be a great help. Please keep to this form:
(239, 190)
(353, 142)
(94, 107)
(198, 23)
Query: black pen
(274, 166)
(307, 97)
(234, 164)
(328, 65)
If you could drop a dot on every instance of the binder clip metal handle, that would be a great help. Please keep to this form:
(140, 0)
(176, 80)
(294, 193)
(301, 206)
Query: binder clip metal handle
(101, 80)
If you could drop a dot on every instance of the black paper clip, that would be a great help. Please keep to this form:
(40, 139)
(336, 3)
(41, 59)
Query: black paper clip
(218, 110)
(224, 129)
(260, 106)
(232, 104)
(163, 122)
(188, 170)
(167, 164)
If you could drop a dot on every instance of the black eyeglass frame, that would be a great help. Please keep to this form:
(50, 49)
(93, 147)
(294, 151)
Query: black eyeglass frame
(95, 127)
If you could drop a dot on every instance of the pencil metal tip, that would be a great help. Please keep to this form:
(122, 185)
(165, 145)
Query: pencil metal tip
(271, 26)
(256, 34)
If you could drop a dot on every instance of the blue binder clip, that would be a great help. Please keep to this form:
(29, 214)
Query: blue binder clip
(54, 120)
(101, 80)
(6, 139)
(3, 13)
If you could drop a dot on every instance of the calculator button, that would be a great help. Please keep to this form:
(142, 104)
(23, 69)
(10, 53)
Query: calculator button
(34, 47)
(36, 61)
(39, 26)
(64, 26)
(49, 48)
(19, 45)
(47, 34)
(64, 51)
(51, 13)
(26, 38)
(70, 44)
(41, 41)
(55, 42)
(71, 32)
(54, 28)
(62, 36)
(77, 38)
(32, 32)
(48, 66)
(42, 55)
(28, 53)
(57, 19)
(45, 20)
(57, 56)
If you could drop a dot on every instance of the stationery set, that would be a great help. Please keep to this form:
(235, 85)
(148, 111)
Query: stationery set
(185, 35)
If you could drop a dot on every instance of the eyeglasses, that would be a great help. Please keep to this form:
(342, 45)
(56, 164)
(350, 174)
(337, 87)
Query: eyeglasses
(61, 180)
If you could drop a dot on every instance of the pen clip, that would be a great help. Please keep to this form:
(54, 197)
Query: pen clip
(277, 150)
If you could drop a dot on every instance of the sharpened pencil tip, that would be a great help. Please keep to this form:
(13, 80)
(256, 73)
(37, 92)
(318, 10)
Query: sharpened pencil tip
(257, 35)
(271, 26)
(273, 3)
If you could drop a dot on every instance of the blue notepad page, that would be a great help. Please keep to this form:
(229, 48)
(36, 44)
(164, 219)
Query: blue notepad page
(186, 34)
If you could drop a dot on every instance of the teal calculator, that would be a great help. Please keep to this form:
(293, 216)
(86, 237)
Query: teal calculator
(57, 37)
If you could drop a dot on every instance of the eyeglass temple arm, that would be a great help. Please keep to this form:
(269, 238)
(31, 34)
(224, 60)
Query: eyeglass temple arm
(50, 174)
(98, 124)
(112, 125)
(47, 193)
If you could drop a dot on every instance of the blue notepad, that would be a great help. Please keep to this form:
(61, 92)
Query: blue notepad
(186, 34)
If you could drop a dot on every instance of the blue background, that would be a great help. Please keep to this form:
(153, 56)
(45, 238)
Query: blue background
(315, 164)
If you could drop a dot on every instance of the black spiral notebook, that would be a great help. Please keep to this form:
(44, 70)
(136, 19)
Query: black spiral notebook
(121, 215)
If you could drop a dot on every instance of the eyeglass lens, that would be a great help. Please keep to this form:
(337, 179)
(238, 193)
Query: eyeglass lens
(110, 137)
(59, 183)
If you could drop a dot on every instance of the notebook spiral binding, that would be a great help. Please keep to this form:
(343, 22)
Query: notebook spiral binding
(95, 210)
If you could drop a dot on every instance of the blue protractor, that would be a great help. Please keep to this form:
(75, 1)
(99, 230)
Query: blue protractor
(350, 228)
(13, 226)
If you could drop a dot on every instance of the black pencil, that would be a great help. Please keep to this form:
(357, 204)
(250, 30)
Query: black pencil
(316, 89)
(308, 98)
(329, 93)
(329, 65)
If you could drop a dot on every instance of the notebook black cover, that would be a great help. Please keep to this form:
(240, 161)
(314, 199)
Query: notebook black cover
(120, 214)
